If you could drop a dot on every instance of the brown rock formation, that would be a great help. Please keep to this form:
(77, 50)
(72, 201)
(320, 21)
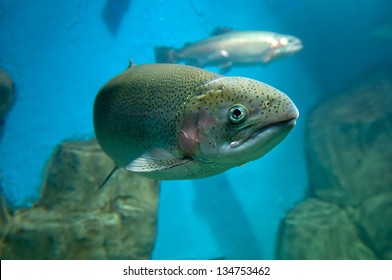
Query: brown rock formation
(375, 219)
(76, 221)
(349, 140)
(349, 155)
(318, 230)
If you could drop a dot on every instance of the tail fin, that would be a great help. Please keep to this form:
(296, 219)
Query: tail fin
(165, 55)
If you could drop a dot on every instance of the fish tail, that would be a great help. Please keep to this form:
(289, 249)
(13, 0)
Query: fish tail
(165, 55)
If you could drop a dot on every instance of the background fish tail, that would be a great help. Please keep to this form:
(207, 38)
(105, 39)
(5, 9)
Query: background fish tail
(165, 55)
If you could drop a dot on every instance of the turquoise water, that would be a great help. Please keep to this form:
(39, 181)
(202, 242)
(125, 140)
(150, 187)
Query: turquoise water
(60, 53)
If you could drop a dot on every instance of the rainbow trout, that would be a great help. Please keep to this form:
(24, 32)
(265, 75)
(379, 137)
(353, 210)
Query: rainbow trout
(171, 121)
(227, 48)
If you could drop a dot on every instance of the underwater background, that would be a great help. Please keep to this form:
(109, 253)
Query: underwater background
(60, 53)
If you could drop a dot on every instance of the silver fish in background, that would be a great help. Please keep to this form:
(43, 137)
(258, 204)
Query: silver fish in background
(7, 97)
(227, 48)
(171, 121)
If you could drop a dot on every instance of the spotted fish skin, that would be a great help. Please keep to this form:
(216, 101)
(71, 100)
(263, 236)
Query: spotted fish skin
(170, 121)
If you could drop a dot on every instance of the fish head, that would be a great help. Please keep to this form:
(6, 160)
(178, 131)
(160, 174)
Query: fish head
(281, 46)
(234, 121)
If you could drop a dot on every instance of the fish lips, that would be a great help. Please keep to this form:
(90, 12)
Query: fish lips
(297, 46)
(258, 135)
(293, 46)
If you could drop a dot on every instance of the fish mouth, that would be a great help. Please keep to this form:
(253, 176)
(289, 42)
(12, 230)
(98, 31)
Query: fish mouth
(296, 46)
(290, 123)
(253, 131)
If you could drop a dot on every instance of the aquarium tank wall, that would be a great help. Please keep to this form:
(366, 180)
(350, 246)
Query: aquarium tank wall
(60, 53)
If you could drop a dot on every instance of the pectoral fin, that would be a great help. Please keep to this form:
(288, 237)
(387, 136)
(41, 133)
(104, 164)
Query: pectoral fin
(156, 160)
(267, 58)
(225, 67)
(225, 62)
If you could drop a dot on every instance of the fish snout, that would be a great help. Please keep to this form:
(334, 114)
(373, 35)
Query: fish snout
(279, 108)
(286, 120)
(290, 44)
(295, 44)
(289, 116)
(292, 113)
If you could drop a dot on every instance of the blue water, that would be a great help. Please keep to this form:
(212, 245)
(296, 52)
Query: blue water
(60, 53)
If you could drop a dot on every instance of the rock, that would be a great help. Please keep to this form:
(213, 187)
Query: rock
(375, 219)
(317, 230)
(349, 140)
(349, 155)
(6, 97)
(74, 172)
(74, 220)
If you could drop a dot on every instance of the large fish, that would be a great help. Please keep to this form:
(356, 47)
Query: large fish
(172, 121)
(227, 48)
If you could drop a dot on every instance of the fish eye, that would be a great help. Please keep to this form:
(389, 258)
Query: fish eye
(237, 114)
(283, 41)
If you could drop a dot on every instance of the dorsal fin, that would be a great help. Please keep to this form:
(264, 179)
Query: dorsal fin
(221, 30)
(131, 63)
